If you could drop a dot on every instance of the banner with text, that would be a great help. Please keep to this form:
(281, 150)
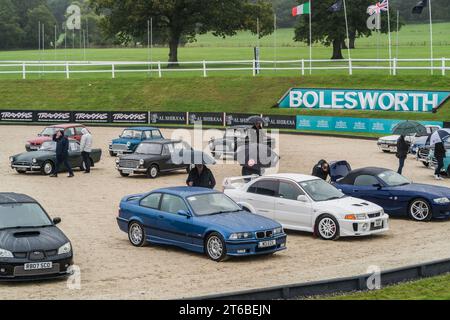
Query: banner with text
(370, 100)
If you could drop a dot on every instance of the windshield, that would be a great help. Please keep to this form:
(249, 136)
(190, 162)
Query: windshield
(393, 179)
(23, 215)
(212, 203)
(48, 132)
(149, 148)
(319, 190)
(48, 146)
(131, 134)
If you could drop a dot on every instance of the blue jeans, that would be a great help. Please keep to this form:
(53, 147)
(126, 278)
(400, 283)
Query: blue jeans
(401, 165)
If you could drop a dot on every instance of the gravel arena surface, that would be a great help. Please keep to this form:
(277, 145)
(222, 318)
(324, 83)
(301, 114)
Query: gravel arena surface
(112, 269)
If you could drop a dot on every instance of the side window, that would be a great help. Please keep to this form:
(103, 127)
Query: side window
(167, 149)
(74, 147)
(151, 201)
(147, 135)
(156, 134)
(365, 180)
(265, 188)
(78, 131)
(289, 191)
(172, 204)
(70, 132)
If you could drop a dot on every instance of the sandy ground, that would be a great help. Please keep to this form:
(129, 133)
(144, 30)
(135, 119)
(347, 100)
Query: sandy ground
(112, 268)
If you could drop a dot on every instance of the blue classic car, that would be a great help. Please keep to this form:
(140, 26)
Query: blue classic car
(131, 138)
(393, 192)
(199, 220)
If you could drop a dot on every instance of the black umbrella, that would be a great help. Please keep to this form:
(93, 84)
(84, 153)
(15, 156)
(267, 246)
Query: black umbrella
(193, 157)
(409, 127)
(256, 119)
(257, 156)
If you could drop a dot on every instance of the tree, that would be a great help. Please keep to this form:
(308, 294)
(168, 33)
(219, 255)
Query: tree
(43, 15)
(174, 20)
(329, 27)
(10, 31)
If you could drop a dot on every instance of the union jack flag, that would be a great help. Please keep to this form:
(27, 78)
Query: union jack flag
(378, 7)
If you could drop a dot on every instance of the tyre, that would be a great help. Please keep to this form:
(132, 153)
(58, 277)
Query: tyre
(420, 210)
(153, 172)
(188, 169)
(426, 164)
(136, 234)
(327, 227)
(20, 171)
(124, 174)
(47, 168)
(112, 154)
(386, 151)
(215, 247)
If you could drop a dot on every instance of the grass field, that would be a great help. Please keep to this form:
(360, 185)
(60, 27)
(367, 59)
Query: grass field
(437, 288)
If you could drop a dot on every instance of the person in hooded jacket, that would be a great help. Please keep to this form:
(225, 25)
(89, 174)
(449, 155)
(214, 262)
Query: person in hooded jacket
(439, 154)
(322, 170)
(62, 154)
(402, 152)
(86, 149)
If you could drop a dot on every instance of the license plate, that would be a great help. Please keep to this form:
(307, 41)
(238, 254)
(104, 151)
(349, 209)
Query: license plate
(127, 171)
(378, 223)
(38, 266)
(384, 146)
(265, 244)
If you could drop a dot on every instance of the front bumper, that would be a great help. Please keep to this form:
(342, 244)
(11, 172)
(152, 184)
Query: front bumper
(131, 170)
(120, 150)
(250, 247)
(27, 168)
(360, 228)
(387, 146)
(441, 211)
(13, 270)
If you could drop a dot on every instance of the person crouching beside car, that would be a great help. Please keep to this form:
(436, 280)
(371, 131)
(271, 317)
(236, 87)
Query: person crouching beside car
(62, 154)
(439, 154)
(201, 176)
(86, 149)
(402, 152)
(321, 170)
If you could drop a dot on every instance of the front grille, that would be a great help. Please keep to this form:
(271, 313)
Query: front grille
(423, 153)
(264, 234)
(20, 271)
(119, 147)
(20, 255)
(129, 163)
(37, 255)
(22, 163)
(374, 215)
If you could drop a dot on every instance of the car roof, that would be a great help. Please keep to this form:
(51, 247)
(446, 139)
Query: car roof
(11, 197)
(161, 141)
(67, 125)
(242, 126)
(373, 171)
(292, 176)
(186, 191)
(142, 128)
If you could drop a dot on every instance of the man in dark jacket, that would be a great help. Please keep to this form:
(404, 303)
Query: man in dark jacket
(62, 154)
(321, 170)
(439, 154)
(402, 152)
(201, 176)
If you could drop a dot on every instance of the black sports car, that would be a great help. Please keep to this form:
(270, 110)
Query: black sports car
(153, 157)
(44, 159)
(31, 246)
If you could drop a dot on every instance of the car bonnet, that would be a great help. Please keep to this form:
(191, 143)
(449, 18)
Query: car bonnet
(348, 205)
(32, 239)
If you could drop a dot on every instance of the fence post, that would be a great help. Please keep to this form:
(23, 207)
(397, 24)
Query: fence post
(443, 66)
(350, 67)
(254, 67)
(24, 71)
(113, 70)
(303, 67)
(159, 69)
(67, 71)
(204, 69)
(394, 67)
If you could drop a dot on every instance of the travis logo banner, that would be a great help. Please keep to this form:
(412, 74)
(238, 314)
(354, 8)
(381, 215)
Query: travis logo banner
(357, 99)
(129, 117)
(16, 116)
(91, 117)
(53, 116)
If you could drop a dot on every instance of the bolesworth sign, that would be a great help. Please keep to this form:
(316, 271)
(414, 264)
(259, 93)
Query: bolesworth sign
(357, 99)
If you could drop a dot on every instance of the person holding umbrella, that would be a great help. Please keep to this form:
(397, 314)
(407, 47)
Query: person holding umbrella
(402, 152)
(437, 140)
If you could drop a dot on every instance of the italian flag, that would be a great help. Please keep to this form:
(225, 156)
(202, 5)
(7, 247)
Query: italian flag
(302, 9)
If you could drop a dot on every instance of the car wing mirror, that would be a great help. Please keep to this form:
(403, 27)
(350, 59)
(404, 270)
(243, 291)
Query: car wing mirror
(378, 186)
(302, 198)
(184, 213)
(56, 221)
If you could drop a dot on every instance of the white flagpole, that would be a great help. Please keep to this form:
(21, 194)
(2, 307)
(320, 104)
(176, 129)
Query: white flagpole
(350, 69)
(389, 37)
(54, 45)
(398, 30)
(431, 38)
(310, 36)
(39, 40)
(275, 40)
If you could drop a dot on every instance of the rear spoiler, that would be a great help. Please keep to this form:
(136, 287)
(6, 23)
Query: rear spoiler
(237, 182)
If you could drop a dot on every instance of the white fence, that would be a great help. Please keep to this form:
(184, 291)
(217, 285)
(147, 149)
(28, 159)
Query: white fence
(204, 68)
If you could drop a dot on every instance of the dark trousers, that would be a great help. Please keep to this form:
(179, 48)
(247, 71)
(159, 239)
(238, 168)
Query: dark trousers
(65, 162)
(440, 165)
(86, 161)
(401, 162)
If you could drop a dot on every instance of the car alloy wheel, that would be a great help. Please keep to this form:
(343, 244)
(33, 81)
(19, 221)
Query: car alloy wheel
(215, 247)
(328, 228)
(47, 168)
(420, 210)
(136, 234)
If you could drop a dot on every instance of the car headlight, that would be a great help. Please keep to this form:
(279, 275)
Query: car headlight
(128, 144)
(355, 217)
(11, 159)
(277, 231)
(117, 160)
(34, 161)
(443, 200)
(141, 162)
(67, 248)
(6, 254)
(241, 235)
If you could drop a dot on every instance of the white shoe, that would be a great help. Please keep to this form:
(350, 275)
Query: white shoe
(438, 177)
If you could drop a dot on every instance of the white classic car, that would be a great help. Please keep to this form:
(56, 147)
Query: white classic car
(306, 203)
(389, 143)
